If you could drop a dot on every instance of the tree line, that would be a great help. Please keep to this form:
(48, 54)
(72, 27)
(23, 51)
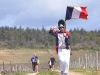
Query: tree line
(13, 37)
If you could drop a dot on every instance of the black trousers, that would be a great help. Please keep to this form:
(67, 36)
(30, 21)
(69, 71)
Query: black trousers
(33, 65)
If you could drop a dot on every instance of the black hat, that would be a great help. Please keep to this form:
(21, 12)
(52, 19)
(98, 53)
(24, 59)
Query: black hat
(61, 23)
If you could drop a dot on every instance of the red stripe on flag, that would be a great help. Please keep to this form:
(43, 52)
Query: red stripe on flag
(84, 13)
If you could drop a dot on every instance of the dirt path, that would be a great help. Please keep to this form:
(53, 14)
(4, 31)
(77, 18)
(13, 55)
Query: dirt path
(69, 73)
(32, 74)
(74, 73)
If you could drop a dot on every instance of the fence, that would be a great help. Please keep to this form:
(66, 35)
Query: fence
(15, 67)
(6, 68)
(88, 61)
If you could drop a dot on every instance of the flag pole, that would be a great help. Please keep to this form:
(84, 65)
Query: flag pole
(65, 19)
(65, 25)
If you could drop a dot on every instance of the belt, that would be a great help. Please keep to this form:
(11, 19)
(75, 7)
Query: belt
(64, 48)
(61, 48)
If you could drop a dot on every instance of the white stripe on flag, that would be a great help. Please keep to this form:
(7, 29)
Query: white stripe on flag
(76, 12)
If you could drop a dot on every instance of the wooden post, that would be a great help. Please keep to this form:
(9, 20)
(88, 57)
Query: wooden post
(79, 63)
(97, 60)
(3, 69)
(16, 68)
(86, 60)
(10, 67)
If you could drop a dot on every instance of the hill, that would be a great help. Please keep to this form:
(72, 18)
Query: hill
(24, 55)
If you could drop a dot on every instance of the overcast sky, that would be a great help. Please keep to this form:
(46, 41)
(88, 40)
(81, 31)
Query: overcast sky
(38, 13)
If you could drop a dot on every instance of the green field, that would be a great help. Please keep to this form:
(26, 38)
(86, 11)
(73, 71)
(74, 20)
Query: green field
(24, 56)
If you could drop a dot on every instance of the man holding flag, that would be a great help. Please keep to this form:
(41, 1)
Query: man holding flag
(62, 46)
(62, 36)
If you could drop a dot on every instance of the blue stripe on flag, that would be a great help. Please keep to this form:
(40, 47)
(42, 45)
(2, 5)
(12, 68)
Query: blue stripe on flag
(69, 13)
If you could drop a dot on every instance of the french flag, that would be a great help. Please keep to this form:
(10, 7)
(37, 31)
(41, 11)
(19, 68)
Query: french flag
(76, 12)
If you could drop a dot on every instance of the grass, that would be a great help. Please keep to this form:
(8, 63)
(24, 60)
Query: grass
(40, 73)
(82, 71)
(16, 74)
(86, 71)
(48, 73)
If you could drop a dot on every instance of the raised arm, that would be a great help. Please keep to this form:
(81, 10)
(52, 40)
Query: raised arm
(52, 32)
